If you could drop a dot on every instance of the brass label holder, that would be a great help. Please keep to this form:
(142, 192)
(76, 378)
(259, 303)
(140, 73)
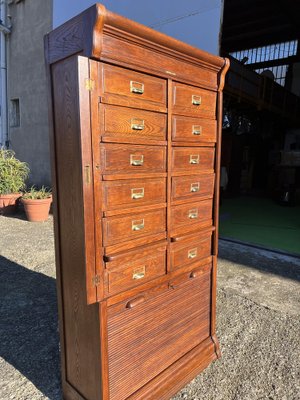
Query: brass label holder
(195, 187)
(192, 253)
(137, 87)
(197, 130)
(139, 273)
(194, 159)
(137, 124)
(196, 100)
(136, 160)
(138, 225)
(193, 214)
(137, 193)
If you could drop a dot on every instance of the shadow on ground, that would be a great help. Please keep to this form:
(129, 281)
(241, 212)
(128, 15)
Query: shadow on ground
(262, 260)
(28, 326)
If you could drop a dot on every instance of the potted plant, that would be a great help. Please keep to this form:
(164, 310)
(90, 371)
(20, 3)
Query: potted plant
(13, 174)
(37, 203)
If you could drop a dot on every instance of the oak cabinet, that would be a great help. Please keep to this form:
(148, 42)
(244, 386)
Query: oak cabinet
(136, 121)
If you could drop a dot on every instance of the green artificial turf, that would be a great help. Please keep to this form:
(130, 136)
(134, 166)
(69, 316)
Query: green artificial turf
(261, 221)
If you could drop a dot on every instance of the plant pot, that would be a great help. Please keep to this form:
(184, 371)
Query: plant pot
(37, 210)
(8, 203)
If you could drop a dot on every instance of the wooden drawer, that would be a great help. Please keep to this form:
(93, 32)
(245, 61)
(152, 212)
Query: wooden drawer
(123, 228)
(116, 158)
(133, 193)
(190, 249)
(190, 100)
(196, 186)
(133, 89)
(136, 267)
(189, 216)
(128, 124)
(154, 331)
(194, 130)
(193, 159)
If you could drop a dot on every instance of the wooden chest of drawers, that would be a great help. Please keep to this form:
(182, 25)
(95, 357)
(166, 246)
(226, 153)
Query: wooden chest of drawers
(136, 124)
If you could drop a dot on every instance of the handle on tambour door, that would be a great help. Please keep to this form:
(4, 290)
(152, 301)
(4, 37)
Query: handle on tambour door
(197, 273)
(135, 302)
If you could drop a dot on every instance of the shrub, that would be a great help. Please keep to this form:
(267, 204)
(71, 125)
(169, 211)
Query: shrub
(13, 173)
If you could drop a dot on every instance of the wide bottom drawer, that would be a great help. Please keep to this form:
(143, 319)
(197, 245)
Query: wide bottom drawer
(146, 335)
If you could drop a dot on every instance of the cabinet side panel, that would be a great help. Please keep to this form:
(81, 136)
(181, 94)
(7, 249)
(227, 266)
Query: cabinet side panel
(81, 322)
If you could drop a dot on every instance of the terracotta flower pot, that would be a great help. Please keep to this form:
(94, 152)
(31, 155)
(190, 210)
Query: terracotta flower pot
(8, 203)
(37, 210)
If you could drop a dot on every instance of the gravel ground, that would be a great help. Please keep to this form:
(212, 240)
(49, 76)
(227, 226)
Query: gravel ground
(258, 321)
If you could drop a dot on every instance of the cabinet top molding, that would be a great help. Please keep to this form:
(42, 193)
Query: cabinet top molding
(88, 33)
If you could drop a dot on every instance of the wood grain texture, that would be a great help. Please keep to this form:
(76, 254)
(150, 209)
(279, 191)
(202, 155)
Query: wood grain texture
(184, 97)
(97, 20)
(192, 187)
(193, 160)
(183, 253)
(80, 321)
(197, 130)
(132, 89)
(128, 53)
(136, 149)
(123, 123)
(133, 193)
(134, 226)
(97, 178)
(156, 333)
(132, 159)
(187, 217)
(134, 268)
(171, 380)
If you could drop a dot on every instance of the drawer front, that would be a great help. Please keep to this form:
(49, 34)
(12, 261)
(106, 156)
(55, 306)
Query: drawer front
(194, 130)
(121, 229)
(193, 159)
(125, 87)
(143, 266)
(155, 333)
(191, 214)
(194, 186)
(187, 253)
(122, 123)
(132, 159)
(133, 193)
(190, 100)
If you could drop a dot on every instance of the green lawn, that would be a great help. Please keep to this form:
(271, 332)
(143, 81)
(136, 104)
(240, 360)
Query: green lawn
(261, 221)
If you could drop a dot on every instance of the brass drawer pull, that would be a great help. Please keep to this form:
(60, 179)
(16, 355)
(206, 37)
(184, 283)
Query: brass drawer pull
(197, 130)
(195, 187)
(139, 273)
(137, 124)
(194, 159)
(138, 225)
(192, 253)
(136, 160)
(137, 193)
(136, 87)
(196, 100)
(193, 214)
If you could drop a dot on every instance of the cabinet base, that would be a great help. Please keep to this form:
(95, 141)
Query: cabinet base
(174, 378)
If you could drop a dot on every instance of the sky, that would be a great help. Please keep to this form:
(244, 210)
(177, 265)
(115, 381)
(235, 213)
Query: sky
(196, 22)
